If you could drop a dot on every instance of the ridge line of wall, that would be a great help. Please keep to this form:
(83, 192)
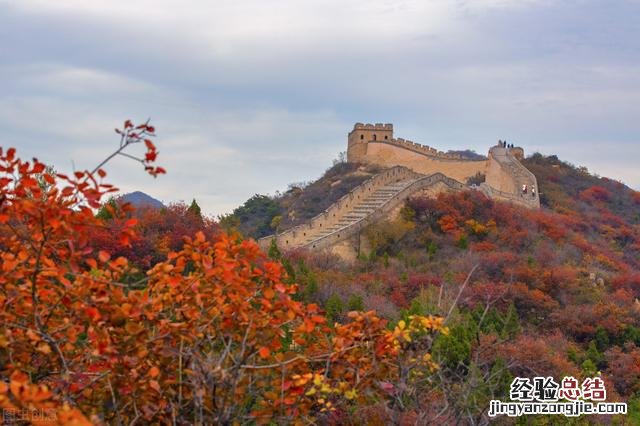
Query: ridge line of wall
(519, 176)
(325, 218)
(348, 231)
(424, 150)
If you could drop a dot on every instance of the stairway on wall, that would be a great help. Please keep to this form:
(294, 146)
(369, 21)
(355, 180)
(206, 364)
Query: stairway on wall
(520, 174)
(372, 200)
(361, 209)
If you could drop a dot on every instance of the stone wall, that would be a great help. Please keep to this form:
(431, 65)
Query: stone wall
(389, 155)
(295, 236)
(375, 144)
(398, 200)
(422, 169)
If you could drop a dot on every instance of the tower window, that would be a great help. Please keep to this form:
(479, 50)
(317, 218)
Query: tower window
(361, 136)
(374, 137)
(385, 138)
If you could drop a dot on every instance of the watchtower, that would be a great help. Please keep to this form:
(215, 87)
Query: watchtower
(362, 134)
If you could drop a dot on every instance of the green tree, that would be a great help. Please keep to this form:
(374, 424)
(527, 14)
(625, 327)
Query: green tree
(463, 242)
(254, 217)
(275, 223)
(194, 209)
(432, 249)
(107, 210)
(333, 307)
(355, 303)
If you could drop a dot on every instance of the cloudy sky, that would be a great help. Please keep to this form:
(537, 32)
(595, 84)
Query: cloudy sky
(250, 95)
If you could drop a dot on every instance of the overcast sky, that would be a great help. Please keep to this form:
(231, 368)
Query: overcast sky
(249, 96)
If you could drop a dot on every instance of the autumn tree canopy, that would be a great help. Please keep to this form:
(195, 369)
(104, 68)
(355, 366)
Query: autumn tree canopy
(214, 332)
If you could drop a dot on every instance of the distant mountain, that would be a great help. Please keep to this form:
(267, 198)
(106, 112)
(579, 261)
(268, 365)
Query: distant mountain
(140, 199)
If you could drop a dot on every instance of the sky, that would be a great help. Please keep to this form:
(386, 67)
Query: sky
(248, 96)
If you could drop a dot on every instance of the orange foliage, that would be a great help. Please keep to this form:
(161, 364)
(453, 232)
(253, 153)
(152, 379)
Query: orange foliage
(21, 400)
(448, 224)
(210, 335)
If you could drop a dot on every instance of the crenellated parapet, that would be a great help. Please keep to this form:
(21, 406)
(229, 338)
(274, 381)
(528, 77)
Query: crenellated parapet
(364, 135)
(423, 149)
(377, 126)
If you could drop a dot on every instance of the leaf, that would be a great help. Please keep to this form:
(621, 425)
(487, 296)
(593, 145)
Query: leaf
(11, 152)
(38, 168)
(44, 348)
(269, 293)
(92, 313)
(29, 182)
(264, 352)
(133, 328)
(318, 319)
(131, 222)
(154, 385)
(103, 256)
(154, 372)
(308, 326)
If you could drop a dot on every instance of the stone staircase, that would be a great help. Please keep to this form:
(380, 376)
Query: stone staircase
(366, 204)
(348, 212)
(360, 210)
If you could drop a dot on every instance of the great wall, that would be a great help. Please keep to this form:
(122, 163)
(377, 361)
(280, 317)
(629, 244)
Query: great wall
(411, 169)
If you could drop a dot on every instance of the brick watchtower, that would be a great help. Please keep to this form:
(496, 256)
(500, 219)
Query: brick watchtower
(361, 135)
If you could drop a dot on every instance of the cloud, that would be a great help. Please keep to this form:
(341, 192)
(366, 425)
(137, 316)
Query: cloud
(250, 95)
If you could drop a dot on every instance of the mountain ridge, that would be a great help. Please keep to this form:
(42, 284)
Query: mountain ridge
(141, 199)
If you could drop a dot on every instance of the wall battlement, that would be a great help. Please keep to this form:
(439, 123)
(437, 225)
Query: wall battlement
(364, 134)
(424, 149)
(377, 126)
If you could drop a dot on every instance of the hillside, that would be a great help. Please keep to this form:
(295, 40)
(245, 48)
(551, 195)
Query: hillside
(445, 305)
(255, 218)
(555, 291)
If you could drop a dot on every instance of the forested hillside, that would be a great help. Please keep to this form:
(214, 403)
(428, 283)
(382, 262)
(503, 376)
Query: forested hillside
(113, 315)
(552, 292)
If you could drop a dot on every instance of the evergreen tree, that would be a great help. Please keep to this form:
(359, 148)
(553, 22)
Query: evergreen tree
(333, 307)
(194, 209)
(107, 210)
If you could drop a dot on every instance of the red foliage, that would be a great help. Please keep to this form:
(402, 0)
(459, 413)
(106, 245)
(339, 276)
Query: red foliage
(629, 281)
(540, 355)
(484, 246)
(624, 367)
(595, 193)
(158, 232)
(532, 300)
